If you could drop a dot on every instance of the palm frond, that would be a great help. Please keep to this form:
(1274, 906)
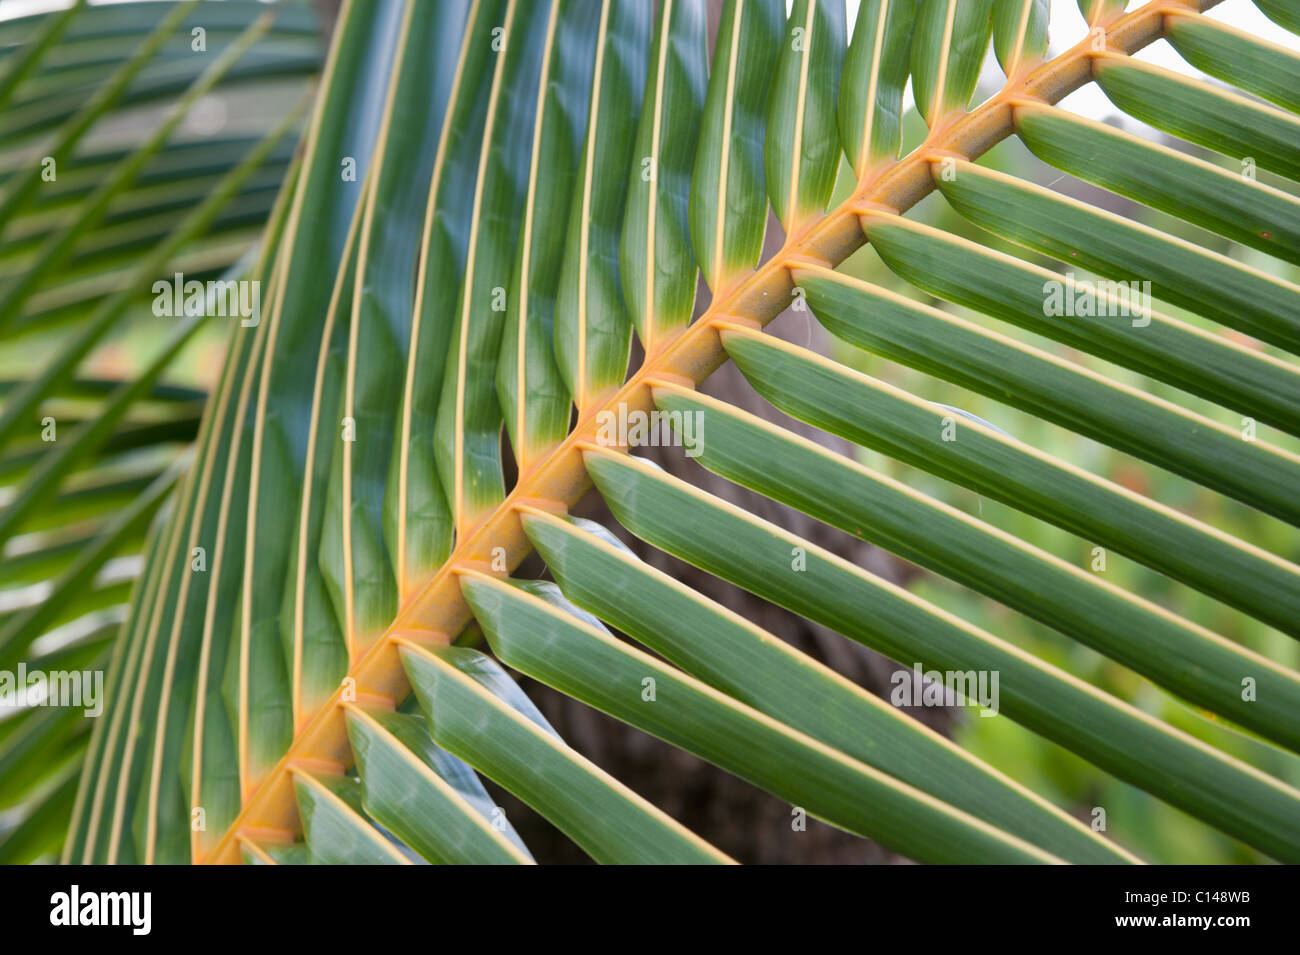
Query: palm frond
(445, 368)
(90, 224)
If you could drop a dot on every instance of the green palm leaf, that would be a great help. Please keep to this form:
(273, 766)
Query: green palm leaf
(371, 616)
(89, 227)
